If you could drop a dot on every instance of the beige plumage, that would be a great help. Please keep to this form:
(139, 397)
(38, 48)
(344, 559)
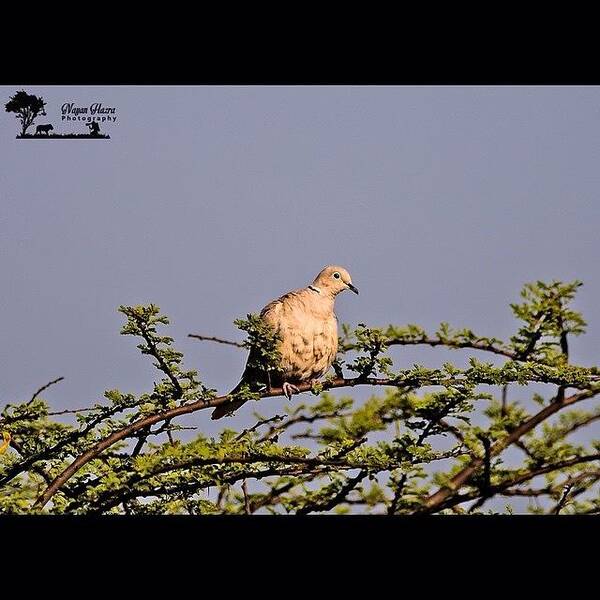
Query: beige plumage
(307, 328)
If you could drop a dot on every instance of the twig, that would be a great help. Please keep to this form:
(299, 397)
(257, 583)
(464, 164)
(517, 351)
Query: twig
(455, 431)
(295, 421)
(258, 425)
(140, 444)
(516, 480)
(436, 418)
(198, 485)
(563, 499)
(335, 500)
(273, 495)
(44, 387)
(428, 341)
(69, 411)
(424, 341)
(206, 338)
(246, 497)
(504, 399)
(485, 487)
(153, 351)
(436, 499)
(536, 334)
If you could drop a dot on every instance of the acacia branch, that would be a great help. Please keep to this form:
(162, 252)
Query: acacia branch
(207, 338)
(274, 495)
(435, 500)
(579, 425)
(575, 486)
(295, 420)
(563, 499)
(424, 341)
(44, 387)
(258, 425)
(336, 499)
(399, 381)
(474, 345)
(435, 419)
(36, 469)
(155, 353)
(487, 470)
(500, 488)
(71, 438)
(195, 486)
(246, 497)
(69, 411)
(183, 409)
(311, 462)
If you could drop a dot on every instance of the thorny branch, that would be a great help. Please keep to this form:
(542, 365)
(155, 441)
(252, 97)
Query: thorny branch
(211, 338)
(150, 477)
(44, 387)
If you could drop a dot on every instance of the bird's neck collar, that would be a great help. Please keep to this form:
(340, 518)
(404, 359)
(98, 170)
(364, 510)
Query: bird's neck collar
(314, 288)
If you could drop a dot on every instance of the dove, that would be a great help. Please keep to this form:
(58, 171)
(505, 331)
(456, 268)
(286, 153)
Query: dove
(306, 325)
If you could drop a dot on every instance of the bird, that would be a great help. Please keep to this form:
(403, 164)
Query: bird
(306, 327)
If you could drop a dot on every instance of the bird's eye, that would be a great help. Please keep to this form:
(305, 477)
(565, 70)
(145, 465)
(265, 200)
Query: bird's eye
(336, 275)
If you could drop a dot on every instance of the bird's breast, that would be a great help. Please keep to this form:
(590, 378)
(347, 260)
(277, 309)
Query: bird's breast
(308, 346)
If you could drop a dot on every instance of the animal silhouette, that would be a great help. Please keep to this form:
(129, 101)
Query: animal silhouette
(43, 128)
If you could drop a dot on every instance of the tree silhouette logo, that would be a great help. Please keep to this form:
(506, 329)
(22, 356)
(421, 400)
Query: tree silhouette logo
(27, 107)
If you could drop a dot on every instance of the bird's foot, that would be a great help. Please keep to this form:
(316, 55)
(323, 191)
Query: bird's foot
(289, 390)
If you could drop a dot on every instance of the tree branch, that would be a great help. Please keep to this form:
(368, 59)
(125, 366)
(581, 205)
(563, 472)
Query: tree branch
(44, 387)
(435, 500)
(516, 480)
(336, 499)
(184, 409)
(153, 351)
(402, 380)
(206, 338)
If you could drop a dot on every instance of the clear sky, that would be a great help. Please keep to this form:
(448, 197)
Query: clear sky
(211, 201)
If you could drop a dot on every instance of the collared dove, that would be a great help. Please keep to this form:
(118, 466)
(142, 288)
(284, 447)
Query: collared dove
(307, 328)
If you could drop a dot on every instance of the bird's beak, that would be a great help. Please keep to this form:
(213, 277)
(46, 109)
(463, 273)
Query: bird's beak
(351, 287)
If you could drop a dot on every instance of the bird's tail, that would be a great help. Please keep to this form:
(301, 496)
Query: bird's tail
(228, 408)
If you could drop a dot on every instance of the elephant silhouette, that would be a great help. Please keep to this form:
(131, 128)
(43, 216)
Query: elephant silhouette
(43, 128)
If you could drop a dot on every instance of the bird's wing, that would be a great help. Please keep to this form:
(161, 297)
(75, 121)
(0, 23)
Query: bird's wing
(274, 313)
(308, 329)
(275, 310)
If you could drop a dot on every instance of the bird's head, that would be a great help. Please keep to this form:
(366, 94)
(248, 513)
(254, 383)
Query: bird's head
(333, 280)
